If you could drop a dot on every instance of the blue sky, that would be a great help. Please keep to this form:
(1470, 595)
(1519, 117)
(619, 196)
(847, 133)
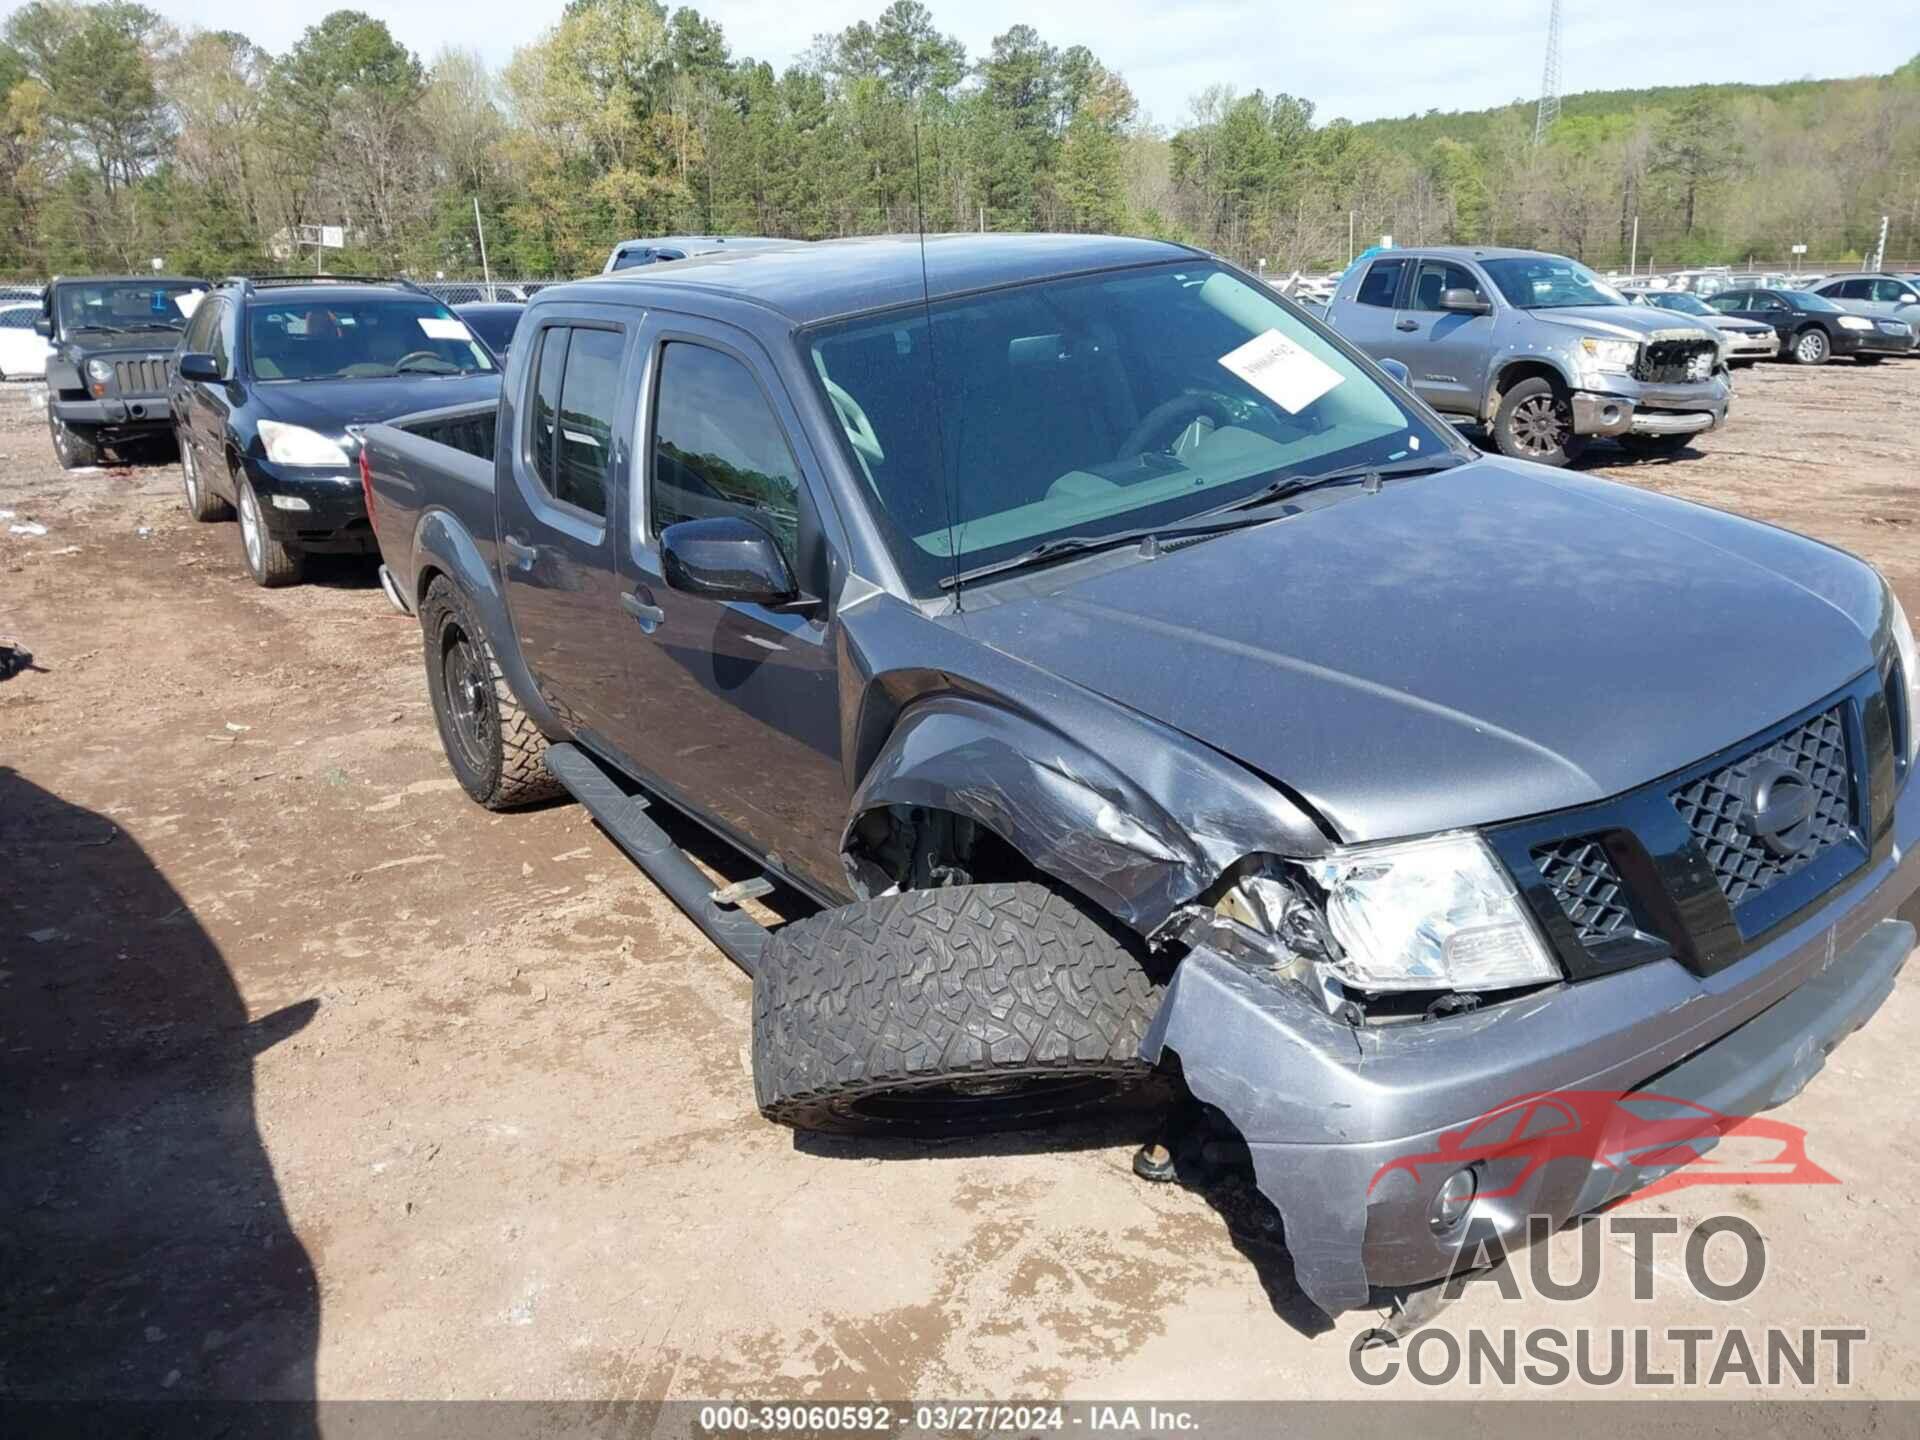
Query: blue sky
(1357, 58)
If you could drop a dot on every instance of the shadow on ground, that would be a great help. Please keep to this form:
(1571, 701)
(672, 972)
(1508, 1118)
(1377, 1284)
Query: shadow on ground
(145, 1252)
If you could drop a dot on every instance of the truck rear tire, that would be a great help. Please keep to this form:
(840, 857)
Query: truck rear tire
(962, 1011)
(1535, 422)
(496, 751)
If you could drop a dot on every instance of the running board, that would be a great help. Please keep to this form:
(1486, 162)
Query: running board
(622, 813)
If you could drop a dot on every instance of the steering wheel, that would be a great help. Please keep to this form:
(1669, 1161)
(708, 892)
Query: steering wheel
(1193, 405)
(401, 363)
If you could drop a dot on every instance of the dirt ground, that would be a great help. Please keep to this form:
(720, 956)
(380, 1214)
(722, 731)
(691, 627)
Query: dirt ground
(320, 1081)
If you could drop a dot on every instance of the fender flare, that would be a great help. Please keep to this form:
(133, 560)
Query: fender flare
(1511, 359)
(442, 544)
(1136, 852)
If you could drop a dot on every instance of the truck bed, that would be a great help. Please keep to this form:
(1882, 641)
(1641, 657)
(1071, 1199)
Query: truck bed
(435, 460)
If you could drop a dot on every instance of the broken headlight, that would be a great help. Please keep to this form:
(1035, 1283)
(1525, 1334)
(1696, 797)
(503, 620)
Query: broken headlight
(1433, 914)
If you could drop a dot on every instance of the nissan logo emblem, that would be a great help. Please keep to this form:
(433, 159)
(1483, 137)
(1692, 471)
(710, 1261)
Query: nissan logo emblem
(1779, 808)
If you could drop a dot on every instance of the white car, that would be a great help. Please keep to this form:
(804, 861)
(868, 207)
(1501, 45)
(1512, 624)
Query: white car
(23, 351)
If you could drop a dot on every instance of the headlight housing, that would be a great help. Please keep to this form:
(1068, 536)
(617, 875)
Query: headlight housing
(1855, 322)
(100, 370)
(297, 445)
(1909, 673)
(1432, 914)
(1609, 357)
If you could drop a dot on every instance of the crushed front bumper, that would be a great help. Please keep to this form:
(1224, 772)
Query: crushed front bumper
(1343, 1123)
(1628, 407)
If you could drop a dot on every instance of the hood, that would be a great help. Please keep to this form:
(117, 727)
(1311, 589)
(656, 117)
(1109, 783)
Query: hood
(1624, 322)
(329, 406)
(1492, 642)
(91, 344)
(1736, 326)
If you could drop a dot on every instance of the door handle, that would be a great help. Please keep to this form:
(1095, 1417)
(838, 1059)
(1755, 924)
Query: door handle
(522, 555)
(648, 615)
(1406, 324)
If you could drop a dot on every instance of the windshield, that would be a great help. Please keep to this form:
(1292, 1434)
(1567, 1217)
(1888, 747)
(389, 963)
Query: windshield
(121, 305)
(1685, 304)
(1550, 282)
(358, 338)
(1088, 406)
(1807, 300)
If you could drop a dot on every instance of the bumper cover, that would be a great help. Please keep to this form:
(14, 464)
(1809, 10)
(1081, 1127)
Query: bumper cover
(1635, 409)
(131, 412)
(335, 508)
(1339, 1121)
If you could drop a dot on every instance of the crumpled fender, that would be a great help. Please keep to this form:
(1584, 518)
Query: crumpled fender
(1139, 828)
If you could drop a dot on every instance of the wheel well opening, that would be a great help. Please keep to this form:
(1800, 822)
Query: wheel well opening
(1521, 370)
(912, 847)
(423, 582)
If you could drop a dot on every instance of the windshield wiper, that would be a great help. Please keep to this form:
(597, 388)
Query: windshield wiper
(1209, 522)
(102, 329)
(1061, 547)
(1298, 484)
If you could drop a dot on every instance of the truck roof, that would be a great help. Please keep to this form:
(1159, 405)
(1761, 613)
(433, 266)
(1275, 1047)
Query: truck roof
(807, 283)
(1463, 252)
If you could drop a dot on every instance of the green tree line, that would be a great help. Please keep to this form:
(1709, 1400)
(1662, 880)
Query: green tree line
(125, 137)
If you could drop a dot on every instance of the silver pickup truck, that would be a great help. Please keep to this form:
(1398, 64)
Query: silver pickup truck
(1537, 348)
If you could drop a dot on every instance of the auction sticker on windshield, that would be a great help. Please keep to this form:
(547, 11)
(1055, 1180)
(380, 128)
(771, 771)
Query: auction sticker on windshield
(1282, 371)
(438, 327)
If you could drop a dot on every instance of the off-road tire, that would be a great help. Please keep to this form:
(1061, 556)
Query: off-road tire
(73, 446)
(502, 763)
(202, 504)
(270, 562)
(1810, 347)
(960, 1011)
(1524, 411)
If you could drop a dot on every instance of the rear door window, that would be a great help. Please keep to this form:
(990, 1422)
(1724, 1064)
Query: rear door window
(1382, 283)
(576, 392)
(589, 395)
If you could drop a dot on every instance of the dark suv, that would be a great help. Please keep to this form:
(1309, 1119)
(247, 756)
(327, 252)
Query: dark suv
(112, 336)
(271, 374)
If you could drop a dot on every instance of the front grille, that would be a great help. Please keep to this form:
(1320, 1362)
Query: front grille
(1716, 808)
(1588, 888)
(1676, 362)
(140, 377)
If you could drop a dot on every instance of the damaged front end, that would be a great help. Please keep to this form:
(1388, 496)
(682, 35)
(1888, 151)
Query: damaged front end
(1379, 1024)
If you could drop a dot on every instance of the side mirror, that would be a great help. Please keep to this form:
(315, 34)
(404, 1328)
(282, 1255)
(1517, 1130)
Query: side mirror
(196, 366)
(43, 326)
(1464, 302)
(726, 558)
(1907, 297)
(1398, 371)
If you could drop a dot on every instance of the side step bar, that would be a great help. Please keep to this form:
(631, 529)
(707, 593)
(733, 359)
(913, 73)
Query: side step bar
(623, 815)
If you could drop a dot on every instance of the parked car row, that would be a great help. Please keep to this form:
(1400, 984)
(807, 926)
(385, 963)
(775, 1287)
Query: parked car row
(1548, 356)
(1135, 677)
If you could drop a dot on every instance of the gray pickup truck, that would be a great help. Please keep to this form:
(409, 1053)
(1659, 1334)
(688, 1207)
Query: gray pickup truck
(1535, 347)
(1137, 683)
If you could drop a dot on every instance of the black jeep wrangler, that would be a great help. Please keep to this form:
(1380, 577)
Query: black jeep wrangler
(113, 339)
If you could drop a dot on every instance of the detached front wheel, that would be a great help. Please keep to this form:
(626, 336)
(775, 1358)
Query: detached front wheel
(962, 1011)
(1535, 422)
(497, 753)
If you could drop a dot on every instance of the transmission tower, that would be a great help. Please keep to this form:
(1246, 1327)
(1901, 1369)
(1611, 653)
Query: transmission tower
(1549, 80)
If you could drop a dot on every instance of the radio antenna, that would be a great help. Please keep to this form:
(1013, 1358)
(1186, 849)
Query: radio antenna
(948, 499)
